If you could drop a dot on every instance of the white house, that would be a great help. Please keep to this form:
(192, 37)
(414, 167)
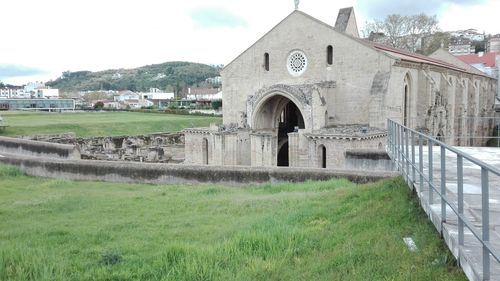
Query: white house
(47, 93)
(126, 95)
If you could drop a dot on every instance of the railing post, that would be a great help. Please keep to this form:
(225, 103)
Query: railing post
(460, 191)
(412, 158)
(403, 152)
(421, 162)
(443, 185)
(400, 158)
(393, 132)
(391, 139)
(485, 195)
(394, 140)
(431, 172)
(396, 145)
(398, 132)
(407, 157)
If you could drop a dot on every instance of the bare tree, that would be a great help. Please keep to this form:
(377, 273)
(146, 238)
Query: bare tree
(403, 32)
(418, 27)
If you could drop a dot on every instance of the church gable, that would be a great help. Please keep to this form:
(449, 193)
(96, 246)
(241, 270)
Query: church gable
(318, 42)
(302, 50)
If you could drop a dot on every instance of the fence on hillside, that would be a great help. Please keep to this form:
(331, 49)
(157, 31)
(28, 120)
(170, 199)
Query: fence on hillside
(406, 148)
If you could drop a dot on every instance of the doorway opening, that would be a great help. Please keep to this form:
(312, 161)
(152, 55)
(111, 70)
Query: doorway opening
(290, 120)
(322, 156)
(280, 115)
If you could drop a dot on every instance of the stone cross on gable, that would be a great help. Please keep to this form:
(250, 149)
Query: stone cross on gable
(297, 4)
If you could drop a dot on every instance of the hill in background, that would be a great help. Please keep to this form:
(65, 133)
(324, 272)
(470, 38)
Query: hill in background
(169, 76)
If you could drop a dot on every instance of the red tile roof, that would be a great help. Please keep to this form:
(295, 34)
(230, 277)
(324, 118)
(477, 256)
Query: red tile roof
(488, 59)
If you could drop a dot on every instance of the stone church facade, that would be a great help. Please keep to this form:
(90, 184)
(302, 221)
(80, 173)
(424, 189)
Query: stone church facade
(307, 92)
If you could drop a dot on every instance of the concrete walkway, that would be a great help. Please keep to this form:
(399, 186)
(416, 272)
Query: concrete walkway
(471, 254)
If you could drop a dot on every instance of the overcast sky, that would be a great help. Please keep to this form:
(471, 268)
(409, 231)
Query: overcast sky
(40, 39)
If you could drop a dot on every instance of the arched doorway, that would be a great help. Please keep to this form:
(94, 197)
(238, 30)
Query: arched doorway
(280, 115)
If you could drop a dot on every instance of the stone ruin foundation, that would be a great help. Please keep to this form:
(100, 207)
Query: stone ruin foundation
(153, 148)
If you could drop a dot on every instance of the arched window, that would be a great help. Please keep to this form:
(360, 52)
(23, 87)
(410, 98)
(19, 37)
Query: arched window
(406, 100)
(329, 55)
(266, 61)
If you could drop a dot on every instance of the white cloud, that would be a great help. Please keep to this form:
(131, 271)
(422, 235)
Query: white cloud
(59, 35)
(480, 17)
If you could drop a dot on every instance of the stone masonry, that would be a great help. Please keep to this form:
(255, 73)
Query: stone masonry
(159, 148)
(307, 92)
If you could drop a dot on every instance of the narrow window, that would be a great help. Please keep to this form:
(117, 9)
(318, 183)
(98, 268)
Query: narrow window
(323, 160)
(321, 156)
(204, 148)
(266, 61)
(405, 107)
(329, 55)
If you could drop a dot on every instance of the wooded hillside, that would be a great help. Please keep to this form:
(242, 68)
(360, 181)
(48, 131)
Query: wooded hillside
(169, 76)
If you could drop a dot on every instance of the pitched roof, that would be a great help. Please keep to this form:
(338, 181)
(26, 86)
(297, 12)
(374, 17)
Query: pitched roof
(488, 59)
(444, 55)
(413, 57)
(386, 50)
(405, 55)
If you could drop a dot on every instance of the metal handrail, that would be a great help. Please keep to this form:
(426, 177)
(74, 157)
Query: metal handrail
(398, 148)
(452, 149)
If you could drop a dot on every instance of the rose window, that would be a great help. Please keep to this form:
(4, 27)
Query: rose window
(296, 63)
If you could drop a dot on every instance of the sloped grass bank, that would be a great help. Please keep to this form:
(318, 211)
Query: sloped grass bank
(335, 230)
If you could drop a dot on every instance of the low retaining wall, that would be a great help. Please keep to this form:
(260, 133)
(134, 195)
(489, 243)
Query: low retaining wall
(38, 148)
(130, 172)
(369, 160)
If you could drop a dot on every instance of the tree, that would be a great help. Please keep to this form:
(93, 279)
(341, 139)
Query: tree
(98, 105)
(216, 104)
(403, 32)
(89, 97)
(1, 84)
(436, 41)
(480, 46)
(132, 86)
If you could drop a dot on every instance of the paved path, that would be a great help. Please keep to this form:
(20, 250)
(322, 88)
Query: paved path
(472, 251)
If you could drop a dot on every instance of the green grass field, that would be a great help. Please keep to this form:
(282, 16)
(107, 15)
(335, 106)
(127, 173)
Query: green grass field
(335, 230)
(88, 124)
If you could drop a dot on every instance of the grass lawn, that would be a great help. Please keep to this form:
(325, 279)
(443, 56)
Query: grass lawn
(336, 230)
(87, 124)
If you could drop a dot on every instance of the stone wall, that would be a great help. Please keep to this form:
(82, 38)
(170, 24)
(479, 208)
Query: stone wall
(158, 148)
(336, 150)
(153, 173)
(369, 160)
(38, 148)
(217, 145)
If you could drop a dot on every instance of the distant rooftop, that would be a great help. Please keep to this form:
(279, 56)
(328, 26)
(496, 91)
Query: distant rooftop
(488, 59)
